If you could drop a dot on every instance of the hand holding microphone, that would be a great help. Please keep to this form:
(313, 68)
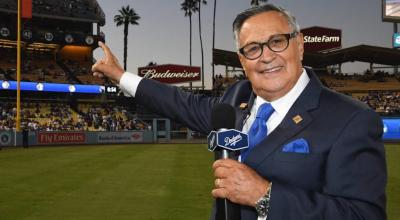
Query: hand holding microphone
(235, 182)
(226, 143)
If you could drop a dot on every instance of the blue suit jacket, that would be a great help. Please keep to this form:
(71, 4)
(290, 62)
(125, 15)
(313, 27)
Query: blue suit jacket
(342, 177)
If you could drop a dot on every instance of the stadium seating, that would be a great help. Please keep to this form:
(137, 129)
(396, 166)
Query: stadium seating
(45, 116)
(36, 67)
(384, 102)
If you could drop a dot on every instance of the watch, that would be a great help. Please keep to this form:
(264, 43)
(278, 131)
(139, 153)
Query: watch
(262, 205)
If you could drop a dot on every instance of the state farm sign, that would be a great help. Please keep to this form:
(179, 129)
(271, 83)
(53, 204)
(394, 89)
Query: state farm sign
(170, 73)
(318, 39)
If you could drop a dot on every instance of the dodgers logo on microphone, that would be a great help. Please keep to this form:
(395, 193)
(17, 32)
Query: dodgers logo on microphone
(230, 139)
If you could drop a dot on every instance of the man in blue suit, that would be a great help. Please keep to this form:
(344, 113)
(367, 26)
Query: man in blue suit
(322, 155)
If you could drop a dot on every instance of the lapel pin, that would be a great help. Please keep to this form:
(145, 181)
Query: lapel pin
(297, 119)
(243, 105)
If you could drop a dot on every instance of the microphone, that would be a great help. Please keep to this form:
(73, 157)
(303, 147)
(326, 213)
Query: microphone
(226, 142)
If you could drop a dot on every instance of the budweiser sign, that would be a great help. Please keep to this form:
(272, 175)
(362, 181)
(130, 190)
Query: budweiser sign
(170, 73)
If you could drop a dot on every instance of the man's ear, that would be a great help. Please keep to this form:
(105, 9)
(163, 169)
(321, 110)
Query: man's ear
(300, 45)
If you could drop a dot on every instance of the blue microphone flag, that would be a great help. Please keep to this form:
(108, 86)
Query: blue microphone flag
(229, 139)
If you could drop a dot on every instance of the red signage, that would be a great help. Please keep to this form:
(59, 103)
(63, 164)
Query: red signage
(26, 9)
(318, 39)
(61, 138)
(170, 73)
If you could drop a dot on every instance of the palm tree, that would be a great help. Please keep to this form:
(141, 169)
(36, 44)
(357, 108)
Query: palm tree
(189, 7)
(126, 17)
(199, 2)
(257, 2)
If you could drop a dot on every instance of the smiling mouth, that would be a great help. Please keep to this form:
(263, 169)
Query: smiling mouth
(271, 70)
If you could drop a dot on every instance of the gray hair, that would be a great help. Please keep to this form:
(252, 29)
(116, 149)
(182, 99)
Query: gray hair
(243, 16)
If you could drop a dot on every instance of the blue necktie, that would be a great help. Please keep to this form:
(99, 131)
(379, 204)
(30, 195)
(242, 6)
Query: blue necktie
(258, 130)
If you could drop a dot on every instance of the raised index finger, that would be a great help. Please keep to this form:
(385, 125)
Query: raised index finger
(107, 52)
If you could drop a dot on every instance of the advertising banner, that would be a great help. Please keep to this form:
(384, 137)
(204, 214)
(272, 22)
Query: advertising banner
(318, 39)
(26, 9)
(170, 73)
(120, 137)
(61, 137)
(391, 129)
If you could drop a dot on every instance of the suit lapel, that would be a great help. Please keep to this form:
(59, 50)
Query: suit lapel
(243, 112)
(295, 121)
(287, 129)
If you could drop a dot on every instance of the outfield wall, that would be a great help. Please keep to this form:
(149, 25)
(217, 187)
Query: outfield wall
(391, 129)
(391, 133)
(7, 138)
(39, 138)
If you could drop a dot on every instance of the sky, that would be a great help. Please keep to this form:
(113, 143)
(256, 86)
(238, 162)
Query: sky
(162, 35)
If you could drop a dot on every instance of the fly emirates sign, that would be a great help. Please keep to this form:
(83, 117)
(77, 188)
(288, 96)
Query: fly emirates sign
(317, 39)
(170, 73)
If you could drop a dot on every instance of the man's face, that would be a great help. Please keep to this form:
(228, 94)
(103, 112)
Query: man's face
(273, 74)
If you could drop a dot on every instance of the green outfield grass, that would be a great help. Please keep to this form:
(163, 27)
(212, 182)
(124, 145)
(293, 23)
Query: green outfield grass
(122, 182)
(393, 186)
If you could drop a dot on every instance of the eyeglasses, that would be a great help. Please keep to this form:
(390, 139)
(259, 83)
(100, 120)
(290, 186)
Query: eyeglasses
(276, 43)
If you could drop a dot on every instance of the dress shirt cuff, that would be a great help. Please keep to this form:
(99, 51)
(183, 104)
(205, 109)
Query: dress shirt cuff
(129, 83)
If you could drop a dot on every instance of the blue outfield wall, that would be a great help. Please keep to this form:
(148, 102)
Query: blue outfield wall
(391, 129)
(391, 133)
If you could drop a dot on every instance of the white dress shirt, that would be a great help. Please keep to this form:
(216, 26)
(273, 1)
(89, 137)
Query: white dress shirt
(281, 107)
(129, 83)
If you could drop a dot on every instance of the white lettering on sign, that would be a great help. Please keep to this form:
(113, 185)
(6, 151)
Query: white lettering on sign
(153, 74)
(232, 141)
(319, 39)
(212, 141)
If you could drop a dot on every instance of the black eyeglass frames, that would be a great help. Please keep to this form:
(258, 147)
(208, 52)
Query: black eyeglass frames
(276, 43)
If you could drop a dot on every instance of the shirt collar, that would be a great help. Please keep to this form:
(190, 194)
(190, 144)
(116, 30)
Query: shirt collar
(283, 104)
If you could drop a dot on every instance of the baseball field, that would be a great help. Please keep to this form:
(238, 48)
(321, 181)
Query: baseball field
(151, 181)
